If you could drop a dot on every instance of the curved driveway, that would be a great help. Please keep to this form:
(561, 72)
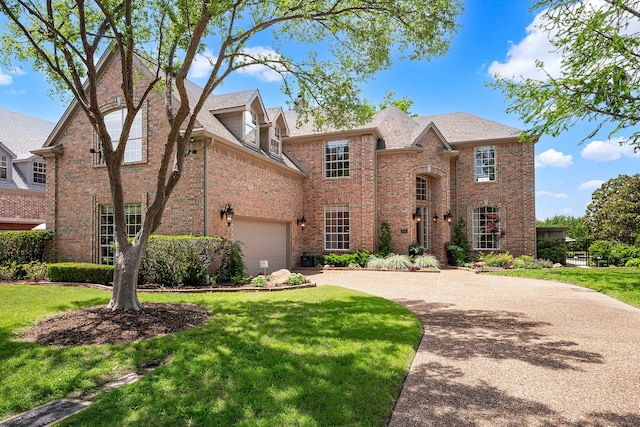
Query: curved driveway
(502, 351)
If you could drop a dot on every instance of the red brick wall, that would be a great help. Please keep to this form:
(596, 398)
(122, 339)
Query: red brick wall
(21, 210)
(513, 193)
(80, 187)
(357, 190)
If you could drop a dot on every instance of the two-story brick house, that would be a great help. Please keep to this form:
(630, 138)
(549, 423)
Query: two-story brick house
(22, 174)
(294, 191)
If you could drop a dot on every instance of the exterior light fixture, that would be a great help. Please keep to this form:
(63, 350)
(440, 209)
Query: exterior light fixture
(302, 222)
(449, 217)
(227, 213)
(435, 218)
(416, 215)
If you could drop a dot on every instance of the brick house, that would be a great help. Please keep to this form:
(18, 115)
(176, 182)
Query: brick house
(22, 174)
(294, 191)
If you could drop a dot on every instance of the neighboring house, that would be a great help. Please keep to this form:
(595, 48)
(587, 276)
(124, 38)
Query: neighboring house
(22, 174)
(342, 183)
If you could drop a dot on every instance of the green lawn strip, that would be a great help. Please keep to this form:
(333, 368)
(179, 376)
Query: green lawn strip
(620, 283)
(309, 357)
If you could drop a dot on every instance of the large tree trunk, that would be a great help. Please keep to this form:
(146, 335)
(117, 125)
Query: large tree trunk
(125, 279)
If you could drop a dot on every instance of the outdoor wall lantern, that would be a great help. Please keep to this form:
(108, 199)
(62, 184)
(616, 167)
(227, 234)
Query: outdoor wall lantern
(435, 218)
(227, 213)
(449, 217)
(302, 222)
(416, 215)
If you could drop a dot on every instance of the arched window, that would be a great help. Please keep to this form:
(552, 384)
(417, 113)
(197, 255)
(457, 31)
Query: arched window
(114, 121)
(486, 228)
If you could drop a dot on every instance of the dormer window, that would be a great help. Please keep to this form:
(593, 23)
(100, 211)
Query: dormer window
(251, 128)
(39, 173)
(4, 167)
(276, 142)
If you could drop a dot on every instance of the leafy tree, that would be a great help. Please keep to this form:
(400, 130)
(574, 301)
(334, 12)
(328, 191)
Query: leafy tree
(599, 76)
(65, 40)
(403, 103)
(614, 211)
(576, 229)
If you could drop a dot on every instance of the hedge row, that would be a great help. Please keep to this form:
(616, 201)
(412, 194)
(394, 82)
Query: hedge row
(23, 247)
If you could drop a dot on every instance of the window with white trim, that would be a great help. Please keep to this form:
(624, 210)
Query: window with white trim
(486, 228)
(133, 218)
(39, 173)
(336, 228)
(276, 141)
(4, 167)
(114, 121)
(251, 128)
(485, 163)
(336, 158)
(422, 189)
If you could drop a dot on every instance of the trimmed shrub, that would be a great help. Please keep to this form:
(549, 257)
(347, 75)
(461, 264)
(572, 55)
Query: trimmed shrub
(178, 260)
(552, 249)
(80, 272)
(23, 247)
(633, 263)
(501, 259)
(416, 249)
(344, 260)
(232, 266)
(297, 279)
(385, 245)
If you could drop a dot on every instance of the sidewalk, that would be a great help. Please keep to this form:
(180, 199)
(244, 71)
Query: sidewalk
(502, 351)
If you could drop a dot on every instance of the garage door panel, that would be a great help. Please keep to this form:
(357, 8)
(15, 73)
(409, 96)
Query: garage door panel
(262, 240)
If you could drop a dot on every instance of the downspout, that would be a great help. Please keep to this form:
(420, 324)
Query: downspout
(205, 220)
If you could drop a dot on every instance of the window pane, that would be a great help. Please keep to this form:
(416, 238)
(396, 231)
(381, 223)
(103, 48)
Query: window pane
(486, 228)
(336, 227)
(485, 164)
(114, 122)
(336, 158)
(250, 128)
(133, 218)
(39, 173)
(3, 167)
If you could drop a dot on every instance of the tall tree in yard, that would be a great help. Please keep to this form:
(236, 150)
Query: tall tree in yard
(65, 39)
(599, 76)
(614, 211)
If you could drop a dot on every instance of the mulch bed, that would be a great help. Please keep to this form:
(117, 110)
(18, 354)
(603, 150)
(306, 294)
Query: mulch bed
(101, 325)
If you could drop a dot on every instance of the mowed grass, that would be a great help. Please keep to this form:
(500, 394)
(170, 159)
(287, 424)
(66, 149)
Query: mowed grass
(322, 356)
(620, 283)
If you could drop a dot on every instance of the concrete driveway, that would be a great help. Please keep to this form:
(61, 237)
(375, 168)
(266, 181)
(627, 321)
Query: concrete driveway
(501, 351)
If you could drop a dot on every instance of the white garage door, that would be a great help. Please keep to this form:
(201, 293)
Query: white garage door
(262, 240)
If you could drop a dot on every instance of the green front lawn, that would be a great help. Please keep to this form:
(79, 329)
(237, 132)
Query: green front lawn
(620, 283)
(322, 356)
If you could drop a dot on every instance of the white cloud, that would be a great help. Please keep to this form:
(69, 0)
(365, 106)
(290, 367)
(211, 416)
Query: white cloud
(567, 212)
(522, 56)
(550, 194)
(553, 158)
(202, 67)
(606, 151)
(262, 72)
(591, 185)
(5, 79)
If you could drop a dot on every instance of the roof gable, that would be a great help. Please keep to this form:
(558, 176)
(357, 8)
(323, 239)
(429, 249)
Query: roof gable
(464, 127)
(20, 134)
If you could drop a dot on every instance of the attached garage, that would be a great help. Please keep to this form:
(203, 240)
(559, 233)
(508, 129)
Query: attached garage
(262, 240)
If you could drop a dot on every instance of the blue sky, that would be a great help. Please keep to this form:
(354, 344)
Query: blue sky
(494, 36)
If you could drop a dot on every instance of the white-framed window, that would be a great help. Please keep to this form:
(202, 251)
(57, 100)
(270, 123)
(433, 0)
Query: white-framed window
(276, 141)
(486, 228)
(422, 227)
(422, 189)
(251, 135)
(113, 121)
(4, 167)
(336, 228)
(39, 173)
(485, 163)
(336, 158)
(133, 217)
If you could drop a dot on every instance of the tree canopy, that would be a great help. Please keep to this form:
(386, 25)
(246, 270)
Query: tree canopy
(614, 212)
(347, 43)
(599, 41)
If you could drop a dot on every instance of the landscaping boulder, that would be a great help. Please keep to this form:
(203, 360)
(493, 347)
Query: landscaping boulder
(280, 277)
(558, 265)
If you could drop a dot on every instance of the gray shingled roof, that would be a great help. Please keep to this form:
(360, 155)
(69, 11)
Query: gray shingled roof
(21, 133)
(401, 131)
(465, 127)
